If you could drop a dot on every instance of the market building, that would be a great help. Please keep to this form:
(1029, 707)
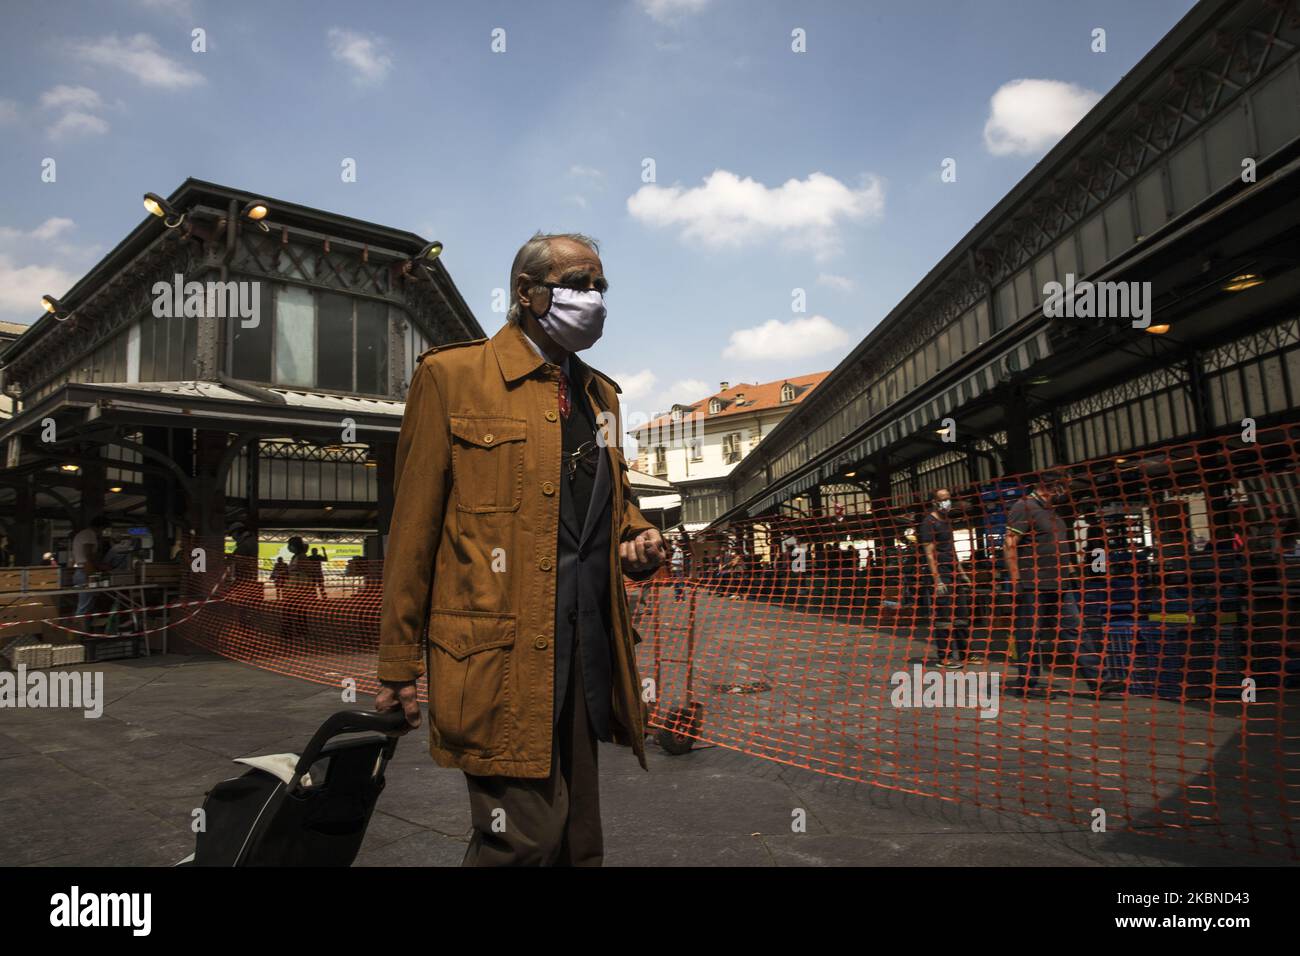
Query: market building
(235, 358)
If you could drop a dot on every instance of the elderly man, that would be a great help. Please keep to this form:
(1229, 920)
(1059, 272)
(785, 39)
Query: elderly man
(512, 526)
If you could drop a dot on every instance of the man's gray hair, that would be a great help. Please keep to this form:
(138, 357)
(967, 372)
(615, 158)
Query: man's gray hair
(534, 260)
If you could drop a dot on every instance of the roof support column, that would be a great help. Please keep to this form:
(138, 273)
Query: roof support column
(208, 506)
(92, 488)
(160, 492)
(1018, 457)
(385, 468)
(881, 478)
(22, 534)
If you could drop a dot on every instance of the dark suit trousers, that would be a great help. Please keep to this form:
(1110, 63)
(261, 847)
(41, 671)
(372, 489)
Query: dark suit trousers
(550, 822)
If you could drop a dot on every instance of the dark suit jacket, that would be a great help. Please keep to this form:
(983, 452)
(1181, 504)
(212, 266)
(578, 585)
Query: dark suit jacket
(582, 598)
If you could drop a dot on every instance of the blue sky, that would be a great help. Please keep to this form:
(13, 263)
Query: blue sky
(774, 170)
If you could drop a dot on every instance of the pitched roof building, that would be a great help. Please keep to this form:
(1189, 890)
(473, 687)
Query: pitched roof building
(705, 439)
(140, 395)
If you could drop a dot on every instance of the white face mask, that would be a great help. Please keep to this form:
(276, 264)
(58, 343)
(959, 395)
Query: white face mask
(575, 319)
(945, 505)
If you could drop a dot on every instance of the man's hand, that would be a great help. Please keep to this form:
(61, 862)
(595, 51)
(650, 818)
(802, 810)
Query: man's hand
(940, 587)
(643, 553)
(965, 577)
(393, 695)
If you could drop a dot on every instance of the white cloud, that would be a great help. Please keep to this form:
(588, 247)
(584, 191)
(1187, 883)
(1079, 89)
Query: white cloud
(587, 172)
(52, 228)
(364, 54)
(71, 97)
(76, 123)
(79, 104)
(642, 400)
(1029, 116)
(730, 211)
(592, 179)
(636, 385)
(839, 283)
(796, 338)
(670, 11)
(21, 288)
(687, 390)
(139, 56)
(644, 396)
(178, 8)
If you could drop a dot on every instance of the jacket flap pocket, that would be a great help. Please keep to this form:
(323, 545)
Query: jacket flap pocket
(462, 633)
(488, 431)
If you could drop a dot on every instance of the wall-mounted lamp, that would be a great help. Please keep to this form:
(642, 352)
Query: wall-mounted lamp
(257, 210)
(54, 307)
(157, 206)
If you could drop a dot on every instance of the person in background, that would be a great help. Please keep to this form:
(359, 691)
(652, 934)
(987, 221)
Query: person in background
(279, 573)
(317, 569)
(84, 560)
(244, 559)
(297, 591)
(733, 569)
(949, 583)
(6, 554)
(1041, 565)
(678, 569)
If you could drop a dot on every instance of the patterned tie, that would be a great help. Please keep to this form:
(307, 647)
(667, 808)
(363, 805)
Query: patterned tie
(564, 394)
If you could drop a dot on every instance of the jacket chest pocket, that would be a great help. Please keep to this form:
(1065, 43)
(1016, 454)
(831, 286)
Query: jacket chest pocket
(487, 462)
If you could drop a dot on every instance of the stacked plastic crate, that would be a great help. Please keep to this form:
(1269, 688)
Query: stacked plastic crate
(1110, 613)
(1190, 644)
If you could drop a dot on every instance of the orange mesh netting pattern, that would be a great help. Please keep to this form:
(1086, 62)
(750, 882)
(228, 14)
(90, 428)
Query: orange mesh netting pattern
(1146, 665)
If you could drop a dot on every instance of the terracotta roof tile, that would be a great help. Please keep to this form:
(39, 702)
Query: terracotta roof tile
(757, 397)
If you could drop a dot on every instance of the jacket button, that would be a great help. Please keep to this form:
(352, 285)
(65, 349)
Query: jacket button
(548, 488)
(487, 439)
(551, 416)
(544, 564)
(541, 643)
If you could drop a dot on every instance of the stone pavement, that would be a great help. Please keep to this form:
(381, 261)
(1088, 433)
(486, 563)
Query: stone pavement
(119, 790)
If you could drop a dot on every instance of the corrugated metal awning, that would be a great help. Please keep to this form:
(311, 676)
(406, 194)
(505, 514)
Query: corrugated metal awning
(1015, 358)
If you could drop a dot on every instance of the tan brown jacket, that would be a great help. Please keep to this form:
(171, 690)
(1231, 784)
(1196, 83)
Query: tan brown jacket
(471, 555)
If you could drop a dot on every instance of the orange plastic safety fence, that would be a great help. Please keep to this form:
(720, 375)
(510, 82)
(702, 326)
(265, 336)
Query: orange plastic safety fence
(1135, 666)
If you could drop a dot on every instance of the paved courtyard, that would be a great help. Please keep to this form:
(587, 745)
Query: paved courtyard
(120, 790)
